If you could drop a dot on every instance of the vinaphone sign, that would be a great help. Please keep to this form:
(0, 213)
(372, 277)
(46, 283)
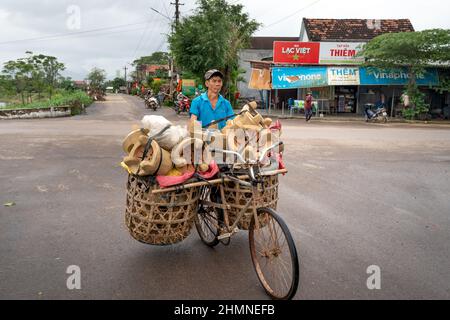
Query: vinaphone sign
(322, 76)
(295, 52)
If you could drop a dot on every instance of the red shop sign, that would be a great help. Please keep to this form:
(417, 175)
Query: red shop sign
(294, 52)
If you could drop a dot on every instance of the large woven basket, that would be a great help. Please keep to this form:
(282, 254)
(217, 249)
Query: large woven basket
(237, 196)
(159, 219)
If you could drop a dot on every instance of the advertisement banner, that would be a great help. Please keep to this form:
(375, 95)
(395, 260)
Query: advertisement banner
(343, 76)
(375, 76)
(294, 52)
(188, 87)
(260, 79)
(340, 53)
(300, 77)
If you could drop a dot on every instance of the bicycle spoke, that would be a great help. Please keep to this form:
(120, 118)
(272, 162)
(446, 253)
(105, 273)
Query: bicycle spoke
(273, 258)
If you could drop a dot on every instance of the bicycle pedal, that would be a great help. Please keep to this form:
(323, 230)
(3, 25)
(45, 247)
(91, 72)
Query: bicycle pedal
(224, 236)
(228, 234)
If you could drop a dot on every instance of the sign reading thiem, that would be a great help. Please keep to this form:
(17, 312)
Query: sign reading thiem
(340, 53)
(343, 76)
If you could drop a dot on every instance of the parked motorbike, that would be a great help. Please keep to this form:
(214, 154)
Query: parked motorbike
(182, 104)
(379, 114)
(151, 102)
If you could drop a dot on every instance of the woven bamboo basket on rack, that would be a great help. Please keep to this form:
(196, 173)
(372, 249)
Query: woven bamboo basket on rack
(237, 196)
(159, 219)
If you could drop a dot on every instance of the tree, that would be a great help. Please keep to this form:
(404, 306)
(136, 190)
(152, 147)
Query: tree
(414, 50)
(118, 82)
(66, 83)
(51, 67)
(20, 71)
(157, 57)
(6, 86)
(34, 73)
(96, 79)
(45, 73)
(212, 38)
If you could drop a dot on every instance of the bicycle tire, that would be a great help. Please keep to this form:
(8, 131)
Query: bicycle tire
(202, 217)
(290, 292)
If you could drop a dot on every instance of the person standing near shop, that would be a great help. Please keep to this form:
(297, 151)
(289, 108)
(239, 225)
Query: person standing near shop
(308, 106)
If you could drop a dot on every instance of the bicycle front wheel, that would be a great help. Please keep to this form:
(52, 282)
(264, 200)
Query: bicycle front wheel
(274, 255)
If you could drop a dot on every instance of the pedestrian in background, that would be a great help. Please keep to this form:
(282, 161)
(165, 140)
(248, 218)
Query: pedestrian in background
(161, 96)
(308, 106)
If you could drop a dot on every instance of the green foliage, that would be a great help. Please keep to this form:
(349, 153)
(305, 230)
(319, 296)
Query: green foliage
(162, 74)
(66, 84)
(444, 81)
(212, 38)
(156, 86)
(76, 98)
(149, 80)
(118, 82)
(418, 105)
(33, 73)
(157, 57)
(416, 51)
(96, 79)
(7, 88)
(134, 91)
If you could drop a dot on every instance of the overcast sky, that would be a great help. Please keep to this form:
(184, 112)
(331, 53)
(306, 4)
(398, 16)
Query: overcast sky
(125, 30)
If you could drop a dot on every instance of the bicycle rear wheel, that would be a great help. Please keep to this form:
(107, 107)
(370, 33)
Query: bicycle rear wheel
(207, 220)
(274, 255)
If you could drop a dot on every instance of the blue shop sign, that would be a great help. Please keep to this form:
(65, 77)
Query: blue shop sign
(301, 77)
(375, 76)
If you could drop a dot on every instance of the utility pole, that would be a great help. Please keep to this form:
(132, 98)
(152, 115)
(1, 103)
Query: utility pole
(126, 83)
(177, 5)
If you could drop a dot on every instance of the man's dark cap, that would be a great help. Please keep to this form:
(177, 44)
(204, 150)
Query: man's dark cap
(212, 73)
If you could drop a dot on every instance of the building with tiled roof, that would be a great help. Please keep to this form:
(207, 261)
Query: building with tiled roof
(351, 30)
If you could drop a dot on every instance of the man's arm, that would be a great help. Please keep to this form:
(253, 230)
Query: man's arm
(194, 112)
(230, 111)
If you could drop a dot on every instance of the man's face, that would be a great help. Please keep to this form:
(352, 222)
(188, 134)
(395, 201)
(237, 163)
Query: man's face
(214, 84)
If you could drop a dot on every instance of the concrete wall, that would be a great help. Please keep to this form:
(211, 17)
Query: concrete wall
(250, 54)
(52, 112)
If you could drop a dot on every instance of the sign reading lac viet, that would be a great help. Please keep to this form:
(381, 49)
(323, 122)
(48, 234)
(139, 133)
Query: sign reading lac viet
(294, 52)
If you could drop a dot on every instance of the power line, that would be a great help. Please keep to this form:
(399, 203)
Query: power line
(291, 15)
(165, 8)
(64, 35)
(140, 40)
(149, 42)
(98, 34)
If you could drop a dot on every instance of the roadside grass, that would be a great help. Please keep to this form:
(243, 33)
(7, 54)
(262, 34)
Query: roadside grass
(73, 99)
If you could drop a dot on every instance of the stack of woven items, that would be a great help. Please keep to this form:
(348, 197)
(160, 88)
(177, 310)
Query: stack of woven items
(159, 148)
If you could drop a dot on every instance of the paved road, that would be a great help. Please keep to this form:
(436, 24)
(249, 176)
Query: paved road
(357, 195)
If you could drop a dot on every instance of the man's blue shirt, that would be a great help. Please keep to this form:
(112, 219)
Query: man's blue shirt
(202, 108)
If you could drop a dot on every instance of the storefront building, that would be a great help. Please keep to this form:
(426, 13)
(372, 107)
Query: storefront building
(329, 66)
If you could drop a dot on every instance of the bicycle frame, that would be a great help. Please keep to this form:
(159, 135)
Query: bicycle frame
(231, 230)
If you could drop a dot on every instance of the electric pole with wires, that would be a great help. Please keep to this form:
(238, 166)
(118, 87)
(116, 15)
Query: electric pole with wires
(177, 5)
